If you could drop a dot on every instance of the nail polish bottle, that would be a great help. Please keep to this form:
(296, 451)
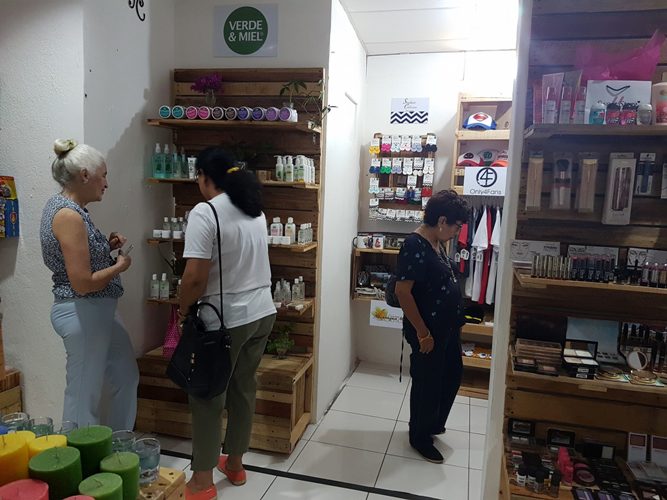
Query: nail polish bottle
(521, 476)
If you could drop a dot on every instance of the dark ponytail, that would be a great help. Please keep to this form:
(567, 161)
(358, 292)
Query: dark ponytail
(242, 186)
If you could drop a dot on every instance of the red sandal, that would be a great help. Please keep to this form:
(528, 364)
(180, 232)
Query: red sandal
(209, 493)
(236, 477)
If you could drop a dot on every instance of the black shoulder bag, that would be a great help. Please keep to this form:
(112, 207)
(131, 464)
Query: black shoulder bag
(201, 364)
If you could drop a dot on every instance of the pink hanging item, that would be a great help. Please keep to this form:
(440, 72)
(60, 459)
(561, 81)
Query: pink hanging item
(173, 334)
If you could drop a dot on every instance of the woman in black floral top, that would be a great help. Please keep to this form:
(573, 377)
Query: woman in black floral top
(429, 293)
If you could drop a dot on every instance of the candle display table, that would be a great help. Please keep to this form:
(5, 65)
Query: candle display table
(170, 486)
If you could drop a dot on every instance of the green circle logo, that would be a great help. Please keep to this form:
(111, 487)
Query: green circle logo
(246, 30)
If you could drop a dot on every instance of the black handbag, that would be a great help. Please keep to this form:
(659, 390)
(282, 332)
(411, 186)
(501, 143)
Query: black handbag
(201, 364)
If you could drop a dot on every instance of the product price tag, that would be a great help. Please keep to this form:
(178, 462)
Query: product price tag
(386, 166)
(388, 194)
(396, 165)
(395, 142)
(386, 139)
(425, 201)
(418, 163)
(479, 256)
(428, 180)
(376, 163)
(408, 162)
(400, 215)
(406, 143)
(373, 202)
(374, 185)
(465, 254)
(412, 181)
(375, 142)
(430, 139)
(429, 165)
(391, 214)
(416, 141)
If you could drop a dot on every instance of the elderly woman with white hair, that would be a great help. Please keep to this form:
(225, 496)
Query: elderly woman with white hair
(86, 287)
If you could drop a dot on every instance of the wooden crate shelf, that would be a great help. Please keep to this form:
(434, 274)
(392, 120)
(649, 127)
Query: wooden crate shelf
(10, 392)
(475, 362)
(483, 135)
(547, 131)
(286, 313)
(296, 248)
(386, 251)
(478, 329)
(234, 124)
(282, 411)
(271, 184)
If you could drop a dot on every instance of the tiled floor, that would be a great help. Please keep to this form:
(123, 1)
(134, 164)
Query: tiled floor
(363, 440)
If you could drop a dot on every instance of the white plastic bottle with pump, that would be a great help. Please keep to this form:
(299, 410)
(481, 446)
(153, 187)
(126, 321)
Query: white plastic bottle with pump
(276, 227)
(164, 287)
(300, 169)
(290, 230)
(289, 169)
(157, 163)
(155, 288)
(280, 168)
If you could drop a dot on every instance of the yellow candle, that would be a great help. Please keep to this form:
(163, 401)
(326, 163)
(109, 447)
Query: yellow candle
(13, 459)
(27, 436)
(42, 443)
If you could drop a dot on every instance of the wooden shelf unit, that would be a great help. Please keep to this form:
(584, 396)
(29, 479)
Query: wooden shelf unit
(593, 409)
(475, 140)
(261, 87)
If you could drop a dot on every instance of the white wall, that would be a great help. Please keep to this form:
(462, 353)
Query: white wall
(127, 77)
(440, 77)
(41, 98)
(347, 71)
(303, 35)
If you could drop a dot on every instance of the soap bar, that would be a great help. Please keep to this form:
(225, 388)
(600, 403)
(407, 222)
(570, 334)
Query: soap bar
(60, 468)
(94, 443)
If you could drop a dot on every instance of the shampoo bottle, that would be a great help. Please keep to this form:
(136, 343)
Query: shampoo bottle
(299, 174)
(280, 168)
(168, 163)
(290, 230)
(157, 163)
(276, 227)
(289, 169)
(155, 287)
(164, 287)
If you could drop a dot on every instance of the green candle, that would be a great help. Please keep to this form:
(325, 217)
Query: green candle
(103, 486)
(126, 465)
(60, 468)
(94, 443)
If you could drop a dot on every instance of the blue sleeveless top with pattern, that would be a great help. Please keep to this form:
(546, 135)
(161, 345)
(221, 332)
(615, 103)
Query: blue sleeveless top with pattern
(53, 256)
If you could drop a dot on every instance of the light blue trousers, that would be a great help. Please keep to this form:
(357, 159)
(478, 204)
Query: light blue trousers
(98, 351)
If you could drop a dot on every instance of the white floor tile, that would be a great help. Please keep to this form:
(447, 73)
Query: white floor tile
(463, 400)
(338, 463)
(453, 445)
(254, 489)
(459, 418)
(308, 433)
(475, 485)
(291, 489)
(171, 443)
(478, 419)
(479, 402)
(378, 377)
(404, 414)
(278, 461)
(423, 478)
(373, 496)
(174, 463)
(369, 402)
(477, 451)
(355, 431)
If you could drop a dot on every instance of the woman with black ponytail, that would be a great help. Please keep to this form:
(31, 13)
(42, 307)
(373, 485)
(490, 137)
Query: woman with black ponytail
(248, 310)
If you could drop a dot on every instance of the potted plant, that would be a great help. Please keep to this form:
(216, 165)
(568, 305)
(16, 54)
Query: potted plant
(281, 341)
(307, 99)
(208, 85)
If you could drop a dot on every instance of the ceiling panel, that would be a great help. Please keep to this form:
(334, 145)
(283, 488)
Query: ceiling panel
(386, 5)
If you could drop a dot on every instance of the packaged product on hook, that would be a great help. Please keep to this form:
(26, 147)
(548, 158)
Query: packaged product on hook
(561, 191)
(534, 181)
(588, 172)
(618, 196)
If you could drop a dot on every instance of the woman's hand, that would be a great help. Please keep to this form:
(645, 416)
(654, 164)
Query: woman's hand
(123, 262)
(116, 241)
(426, 342)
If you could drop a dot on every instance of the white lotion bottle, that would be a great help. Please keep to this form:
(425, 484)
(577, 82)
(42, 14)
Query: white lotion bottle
(290, 230)
(155, 288)
(164, 287)
(289, 169)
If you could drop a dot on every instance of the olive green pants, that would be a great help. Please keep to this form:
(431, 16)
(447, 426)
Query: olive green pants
(248, 344)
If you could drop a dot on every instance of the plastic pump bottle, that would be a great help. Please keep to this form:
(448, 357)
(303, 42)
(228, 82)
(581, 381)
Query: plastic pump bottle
(164, 287)
(280, 168)
(290, 230)
(299, 173)
(289, 169)
(167, 162)
(166, 226)
(276, 227)
(176, 164)
(155, 288)
(157, 163)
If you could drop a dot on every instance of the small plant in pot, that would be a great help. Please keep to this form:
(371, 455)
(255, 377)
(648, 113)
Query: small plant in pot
(280, 343)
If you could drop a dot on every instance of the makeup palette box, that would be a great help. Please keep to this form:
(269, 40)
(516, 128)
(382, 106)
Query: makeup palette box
(9, 208)
(618, 195)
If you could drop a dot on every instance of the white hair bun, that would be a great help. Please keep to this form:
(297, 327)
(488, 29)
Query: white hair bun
(62, 146)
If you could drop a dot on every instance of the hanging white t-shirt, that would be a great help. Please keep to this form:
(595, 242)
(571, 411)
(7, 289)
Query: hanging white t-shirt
(493, 269)
(480, 242)
(246, 272)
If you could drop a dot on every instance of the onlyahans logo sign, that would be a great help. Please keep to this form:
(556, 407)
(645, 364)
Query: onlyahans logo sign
(246, 30)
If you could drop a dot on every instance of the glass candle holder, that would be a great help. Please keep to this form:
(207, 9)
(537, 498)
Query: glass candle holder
(66, 427)
(148, 450)
(41, 426)
(123, 441)
(16, 421)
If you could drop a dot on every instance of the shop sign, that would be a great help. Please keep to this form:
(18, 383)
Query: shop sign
(385, 316)
(485, 181)
(245, 30)
(409, 110)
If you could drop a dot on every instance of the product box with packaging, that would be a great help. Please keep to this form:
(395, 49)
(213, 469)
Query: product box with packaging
(9, 208)
(619, 193)
(615, 92)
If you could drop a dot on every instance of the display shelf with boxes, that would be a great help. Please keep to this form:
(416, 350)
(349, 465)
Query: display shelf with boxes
(586, 397)
(290, 193)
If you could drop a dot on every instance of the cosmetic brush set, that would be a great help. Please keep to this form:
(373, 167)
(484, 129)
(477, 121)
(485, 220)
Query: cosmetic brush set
(627, 176)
